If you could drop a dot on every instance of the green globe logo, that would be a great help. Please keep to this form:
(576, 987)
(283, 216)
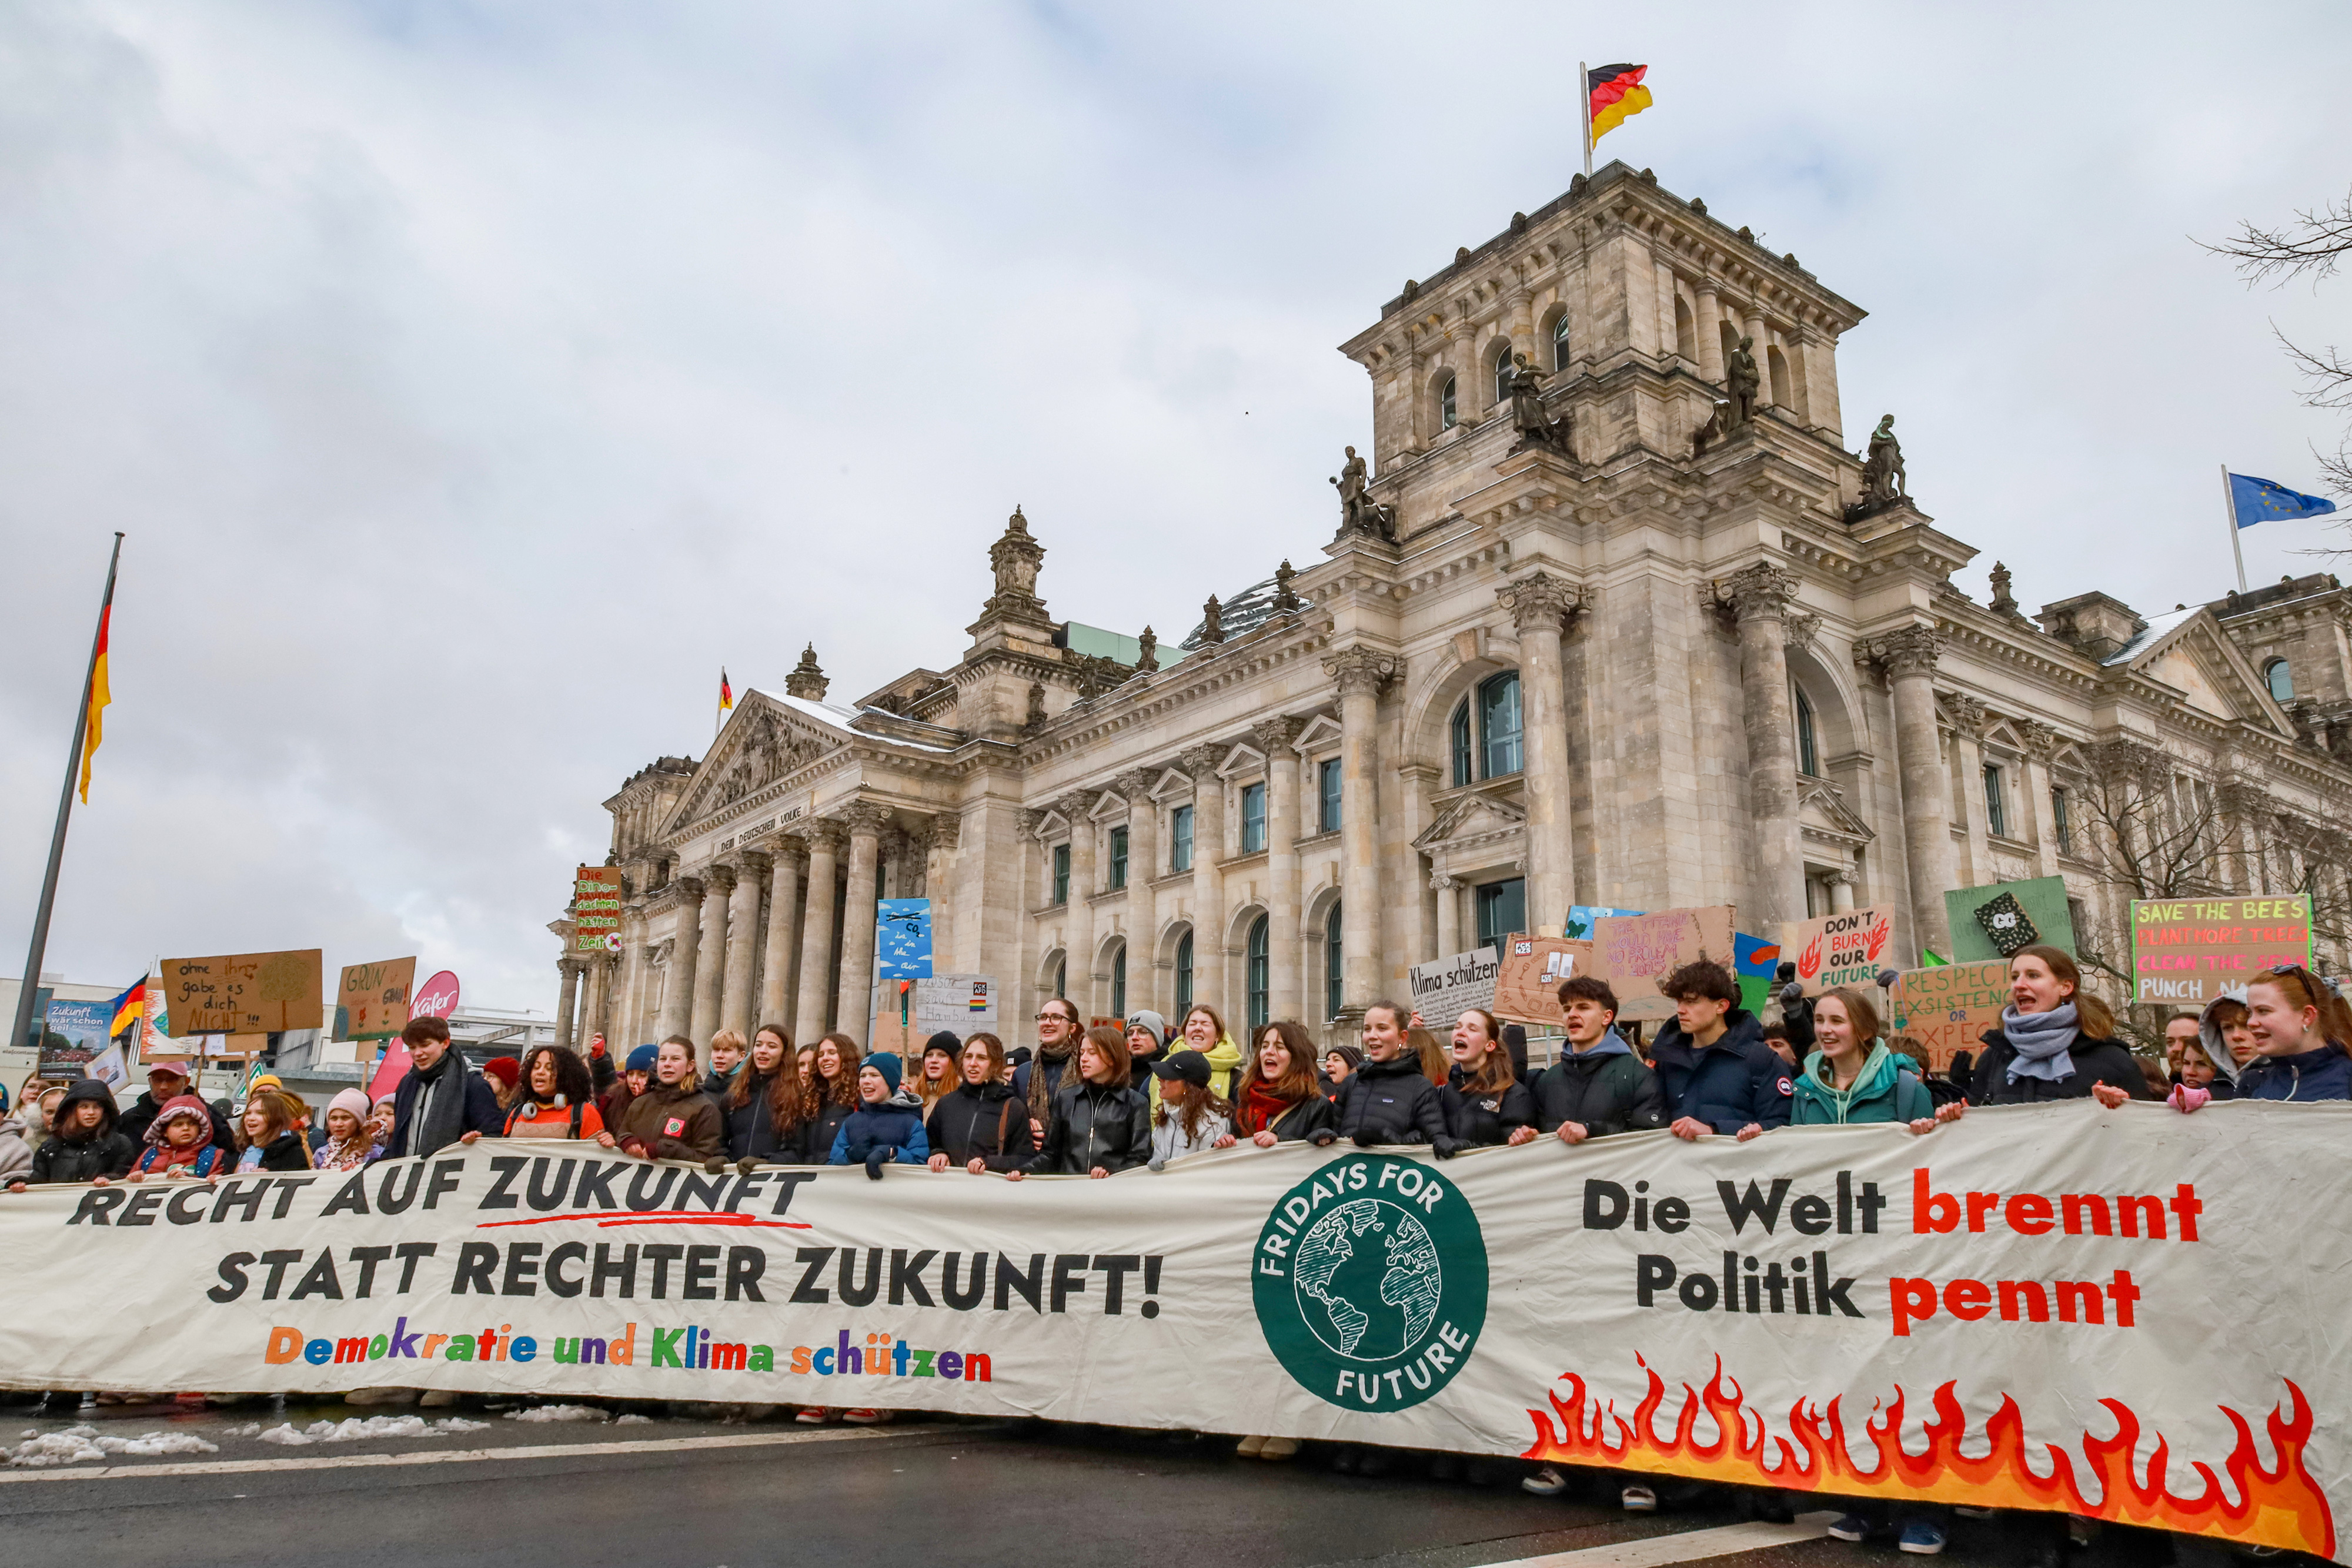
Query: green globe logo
(1369, 1280)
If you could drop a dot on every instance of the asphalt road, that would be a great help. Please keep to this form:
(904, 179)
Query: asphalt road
(699, 1493)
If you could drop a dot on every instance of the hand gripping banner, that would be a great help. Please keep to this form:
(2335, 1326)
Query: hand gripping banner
(2131, 1315)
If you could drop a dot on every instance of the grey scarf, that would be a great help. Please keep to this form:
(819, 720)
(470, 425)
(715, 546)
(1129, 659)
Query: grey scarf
(438, 1118)
(2041, 1041)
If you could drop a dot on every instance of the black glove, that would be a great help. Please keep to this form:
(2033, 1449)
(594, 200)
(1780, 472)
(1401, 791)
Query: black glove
(1323, 1138)
(748, 1164)
(714, 1165)
(1447, 1148)
(876, 1159)
(1367, 1139)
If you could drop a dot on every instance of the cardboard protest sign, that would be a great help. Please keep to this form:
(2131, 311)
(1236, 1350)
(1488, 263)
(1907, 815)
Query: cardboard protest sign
(1527, 988)
(907, 1013)
(1635, 952)
(2187, 951)
(1843, 949)
(1581, 917)
(1947, 1008)
(73, 1036)
(596, 893)
(1445, 987)
(245, 993)
(1996, 920)
(902, 938)
(372, 1000)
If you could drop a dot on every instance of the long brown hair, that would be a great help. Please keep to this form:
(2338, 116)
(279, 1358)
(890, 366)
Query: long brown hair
(841, 1091)
(995, 1055)
(2303, 989)
(1296, 1084)
(789, 1101)
(274, 1106)
(948, 1085)
(1112, 1043)
(1199, 1104)
(1435, 1065)
(2092, 1019)
(1493, 1075)
(1864, 1016)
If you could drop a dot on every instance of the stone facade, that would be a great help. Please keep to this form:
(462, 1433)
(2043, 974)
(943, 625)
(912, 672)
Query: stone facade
(1738, 678)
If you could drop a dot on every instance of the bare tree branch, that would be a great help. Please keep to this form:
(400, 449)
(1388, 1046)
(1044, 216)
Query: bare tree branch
(2314, 243)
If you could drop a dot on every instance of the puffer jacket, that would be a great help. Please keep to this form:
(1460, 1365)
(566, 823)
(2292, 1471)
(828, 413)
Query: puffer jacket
(985, 1123)
(674, 1124)
(1391, 1102)
(1093, 1126)
(16, 1154)
(891, 1129)
(1482, 1121)
(1301, 1120)
(1885, 1090)
(752, 1130)
(70, 1156)
(2322, 1074)
(1733, 1084)
(825, 1125)
(2095, 1061)
(1605, 1089)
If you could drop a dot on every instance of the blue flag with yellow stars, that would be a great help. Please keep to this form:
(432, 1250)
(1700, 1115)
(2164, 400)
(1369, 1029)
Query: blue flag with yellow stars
(2254, 500)
(902, 938)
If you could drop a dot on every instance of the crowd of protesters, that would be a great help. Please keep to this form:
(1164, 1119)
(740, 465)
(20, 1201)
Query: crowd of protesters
(1095, 1100)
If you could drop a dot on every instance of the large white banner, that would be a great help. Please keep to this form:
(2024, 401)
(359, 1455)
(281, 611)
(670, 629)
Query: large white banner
(2132, 1315)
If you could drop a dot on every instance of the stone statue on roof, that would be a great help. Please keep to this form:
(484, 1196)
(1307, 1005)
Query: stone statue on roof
(1744, 383)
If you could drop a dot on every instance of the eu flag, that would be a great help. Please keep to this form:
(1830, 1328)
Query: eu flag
(2254, 500)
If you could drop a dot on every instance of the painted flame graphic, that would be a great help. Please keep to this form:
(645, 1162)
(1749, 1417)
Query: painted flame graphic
(2279, 1505)
(1878, 938)
(1809, 962)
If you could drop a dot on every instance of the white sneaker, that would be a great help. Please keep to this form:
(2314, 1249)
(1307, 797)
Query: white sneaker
(1546, 1482)
(1639, 1500)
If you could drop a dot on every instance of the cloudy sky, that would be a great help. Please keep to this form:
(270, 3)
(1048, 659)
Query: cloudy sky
(472, 380)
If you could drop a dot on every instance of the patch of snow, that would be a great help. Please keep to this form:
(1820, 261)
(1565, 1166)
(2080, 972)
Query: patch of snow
(634, 1421)
(559, 1413)
(355, 1428)
(83, 1445)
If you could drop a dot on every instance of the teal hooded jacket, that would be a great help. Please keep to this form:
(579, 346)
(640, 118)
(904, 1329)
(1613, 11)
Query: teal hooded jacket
(1885, 1090)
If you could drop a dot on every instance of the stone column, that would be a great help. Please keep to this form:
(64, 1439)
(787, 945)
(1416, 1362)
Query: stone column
(1910, 656)
(1142, 901)
(1669, 340)
(1361, 674)
(1286, 971)
(1208, 876)
(569, 968)
(1710, 333)
(1968, 719)
(940, 841)
(1840, 892)
(740, 989)
(852, 1002)
(685, 955)
(710, 959)
(1449, 915)
(2040, 741)
(1539, 606)
(789, 854)
(1078, 920)
(1760, 596)
(815, 985)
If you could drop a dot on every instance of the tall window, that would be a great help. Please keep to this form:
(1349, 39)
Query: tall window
(1119, 981)
(1327, 778)
(1461, 737)
(1333, 964)
(1119, 860)
(1559, 342)
(1503, 373)
(1253, 817)
(1261, 970)
(2063, 829)
(1183, 973)
(1995, 816)
(1061, 875)
(1062, 977)
(1809, 754)
(2280, 679)
(1498, 723)
(1179, 839)
(1445, 404)
(1502, 909)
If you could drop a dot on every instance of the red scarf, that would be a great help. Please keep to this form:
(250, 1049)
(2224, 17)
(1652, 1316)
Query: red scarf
(1261, 1107)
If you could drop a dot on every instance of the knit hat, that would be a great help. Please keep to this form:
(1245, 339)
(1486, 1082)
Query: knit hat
(943, 1040)
(351, 1100)
(888, 1065)
(505, 1069)
(1353, 1055)
(265, 1081)
(177, 1107)
(1151, 1020)
(641, 1060)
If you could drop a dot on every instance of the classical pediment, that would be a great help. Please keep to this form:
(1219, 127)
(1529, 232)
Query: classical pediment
(763, 741)
(1473, 820)
(1822, 811)
(2193, 657)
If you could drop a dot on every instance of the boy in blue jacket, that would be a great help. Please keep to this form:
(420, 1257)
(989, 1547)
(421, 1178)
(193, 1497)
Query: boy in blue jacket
(1718, 1074)
(887, 1128)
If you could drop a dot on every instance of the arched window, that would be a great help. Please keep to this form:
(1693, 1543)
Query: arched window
(1333, 964)
(1461, 734)
(1498, 723)
(1685, 330)
(1503, 373)
(1183, 973)
(1062, 977)
(1119, 981)
(1260, 971)
(1776, 368)
(1808, 757)
(1559, 341)
(2280, 679)
(1445, 404)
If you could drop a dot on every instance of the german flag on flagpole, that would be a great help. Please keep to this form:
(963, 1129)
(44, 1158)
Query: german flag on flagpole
(93, 731)
(1612, 95)
(725, 697)
(129, 1009)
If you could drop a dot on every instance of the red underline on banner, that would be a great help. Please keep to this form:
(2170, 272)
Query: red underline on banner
(606, 1220)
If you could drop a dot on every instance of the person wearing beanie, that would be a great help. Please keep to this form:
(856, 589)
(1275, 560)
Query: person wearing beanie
(179, 1140)
(1146, 1038)
(937, 1075)
(1340, 1064)
(636, 1072)
(887, 1128)
(504, 1073)
(673, 1119)
(351, 1139)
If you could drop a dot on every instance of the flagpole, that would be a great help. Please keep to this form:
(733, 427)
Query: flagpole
(25, 987)
(2230, 514)
(1584, 106)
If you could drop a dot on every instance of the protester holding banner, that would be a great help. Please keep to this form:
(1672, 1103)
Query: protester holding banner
(555, 1097)
(83, 1144)
(1281, 1099)
(267, 1138)
(1600, 1087)
(1712, 1062)
(937, 1072)
(439, 1102)
(2299, 1026)
(769, 1108)
(1205, 1031)
(727, 1050)
(1485, 1102)
(179, 1143)
(1389, 1100)
(166, 1081)
(351, 1136)
(887, 1128)
(15, 1150)
(981, 1125)
(1189, 1117)
(1099, 1124)
(673, 1119)
(2055, 1043)
(1851, 1076)
(838, 1059)
(1038, 1079)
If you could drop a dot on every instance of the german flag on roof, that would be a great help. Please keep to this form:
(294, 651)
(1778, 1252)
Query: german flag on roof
(1615, 94)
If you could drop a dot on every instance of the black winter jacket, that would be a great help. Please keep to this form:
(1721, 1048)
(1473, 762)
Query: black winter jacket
(104, 1153)
(751, 1131)
(286, 1152)
(2095, 1061)
(1092, 1126)
(1391, 1102)
(481, 1112)
(1729, 1084)
(1481, 1120)
(1604, 1089)
(1305, 1118)
(966, 1122)
(826, 1128)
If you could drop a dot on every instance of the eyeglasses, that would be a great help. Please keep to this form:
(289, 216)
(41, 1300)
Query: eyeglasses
(1054, 1017)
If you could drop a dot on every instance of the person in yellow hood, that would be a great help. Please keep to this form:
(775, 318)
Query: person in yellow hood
(1205, 1031)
